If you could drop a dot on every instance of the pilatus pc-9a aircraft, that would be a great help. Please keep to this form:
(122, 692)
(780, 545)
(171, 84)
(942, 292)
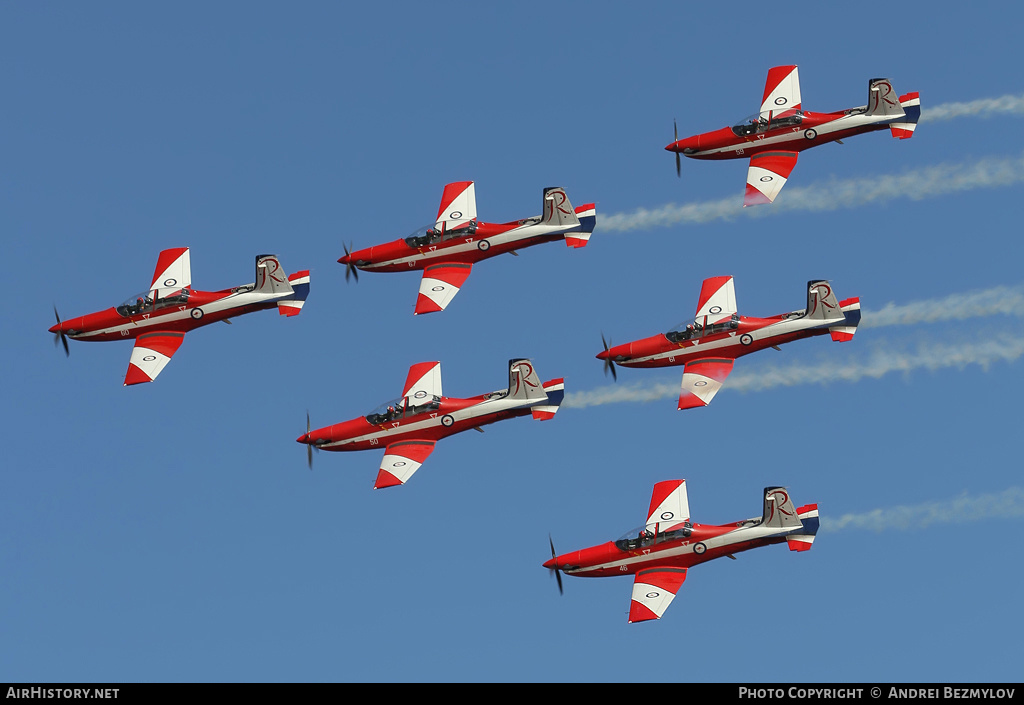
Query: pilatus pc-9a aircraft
(774, 137)
(659, 553)
(447, 250)
(158, 318)
(409, 427)
(709, 344)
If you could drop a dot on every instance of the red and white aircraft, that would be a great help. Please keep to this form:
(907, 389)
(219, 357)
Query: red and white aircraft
(718, 335)
(159, 317)
(659, 553)
(409, 426)
(447, 250)
(774, 137)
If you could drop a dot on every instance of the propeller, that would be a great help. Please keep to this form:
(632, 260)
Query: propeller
(309, 445)
(608, 364)
(679, 164)
(350, 268)
(60, 335)
(555, 570)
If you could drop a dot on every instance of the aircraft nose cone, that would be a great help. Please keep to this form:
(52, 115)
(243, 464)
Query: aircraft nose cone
(344, 259)
(686, 146)
(55, 328)
(604, 354)
(304, 438)
(549, 563)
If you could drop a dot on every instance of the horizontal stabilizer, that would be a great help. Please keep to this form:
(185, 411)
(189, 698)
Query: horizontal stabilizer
(851, 310)
(300, 289)
(808, 515)
(588, 220)
(911, 104)
(555, 389)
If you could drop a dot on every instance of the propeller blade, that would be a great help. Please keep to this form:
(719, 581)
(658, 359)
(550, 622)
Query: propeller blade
(608, 364)
(679, 162)
(309, 447)
(60, 335)
(558, 573)
(350, 268)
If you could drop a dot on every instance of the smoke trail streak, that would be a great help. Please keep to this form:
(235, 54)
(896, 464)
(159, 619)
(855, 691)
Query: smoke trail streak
(929, 182)
(987, 107)
(1008, 504)
(999, 300)
(881, 362)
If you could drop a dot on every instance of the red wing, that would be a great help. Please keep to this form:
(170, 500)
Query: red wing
(401, 460)
(423, 382)
(653, 591)
(151, 354)
(440, 284)
(173, 270)
(701, 381)
(766, 176)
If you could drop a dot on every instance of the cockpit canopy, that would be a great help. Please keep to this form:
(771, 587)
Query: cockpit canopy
(427, 235)
(659, 532)
(402, 408)
(700, 327)
(766, 121)
(150, 301)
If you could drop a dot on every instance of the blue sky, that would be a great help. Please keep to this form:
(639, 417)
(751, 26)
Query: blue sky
(173, 532)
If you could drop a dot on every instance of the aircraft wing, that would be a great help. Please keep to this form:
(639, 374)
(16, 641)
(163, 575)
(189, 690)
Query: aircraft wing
(701, 381)
(440, 284)
(653, 591)
(717, 299)
(173, 270)
(401, 460)
(151, 354)
(766, 176)
(424, 381)
(669, 505)
(458, 206)
(781, 90)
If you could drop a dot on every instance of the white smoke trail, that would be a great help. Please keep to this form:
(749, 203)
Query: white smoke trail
(1008, 504)
(929, 182)
(999, 300)
(880, 362)
(987, 107)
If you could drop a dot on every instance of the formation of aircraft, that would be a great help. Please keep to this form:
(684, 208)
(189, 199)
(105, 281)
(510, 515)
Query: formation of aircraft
(158, 318)
(409, 427)
(659, 553)
(781, 129)
(447, 250)
(709, 344)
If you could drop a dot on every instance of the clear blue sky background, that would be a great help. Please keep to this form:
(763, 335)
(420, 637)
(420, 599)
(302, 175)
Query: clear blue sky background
(173, 532)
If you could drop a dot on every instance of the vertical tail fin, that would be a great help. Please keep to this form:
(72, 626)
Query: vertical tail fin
(802, 541)
(523, 382)
(821, 302)
(882, 100)
(271, 277)
(557, 209)
(779, 512)
(911, 104)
